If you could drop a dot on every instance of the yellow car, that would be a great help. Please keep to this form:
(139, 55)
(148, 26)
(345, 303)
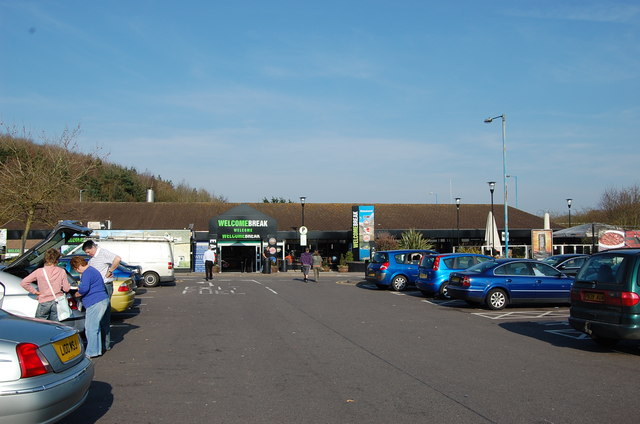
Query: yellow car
(124, 294)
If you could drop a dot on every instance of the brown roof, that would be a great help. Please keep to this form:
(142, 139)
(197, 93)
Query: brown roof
(318, 216)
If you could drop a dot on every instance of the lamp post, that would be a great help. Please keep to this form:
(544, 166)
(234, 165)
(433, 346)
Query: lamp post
(302, 200)
(569, 201)
(492, 186)
(516, 178)
(504, 179)
(436, 194)
(458, 220)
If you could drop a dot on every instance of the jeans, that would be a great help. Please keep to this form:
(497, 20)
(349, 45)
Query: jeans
(92, 323)
(105, 322)
(47, 310)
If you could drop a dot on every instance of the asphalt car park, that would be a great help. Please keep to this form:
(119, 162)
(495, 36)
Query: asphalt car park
(260, 348)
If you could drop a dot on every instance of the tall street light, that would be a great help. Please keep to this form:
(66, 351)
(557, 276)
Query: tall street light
(458, 219)
(431, 192)
(302, 200)
(516, 178)
(569, 201)
(504, 179)
(492, 186)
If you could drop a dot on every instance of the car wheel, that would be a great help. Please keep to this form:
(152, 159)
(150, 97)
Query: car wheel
(150, 279)
(496, 299)
(443, 293)
(604, 341)
(399, 283)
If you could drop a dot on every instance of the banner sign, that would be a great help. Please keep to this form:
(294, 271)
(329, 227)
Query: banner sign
(363, 234)
(541, 243)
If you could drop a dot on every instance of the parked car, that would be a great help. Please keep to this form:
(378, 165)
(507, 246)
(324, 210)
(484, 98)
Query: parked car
(44, 372)
(19, 301)
(569, 263)
(395, 268)
(605, 297)
(434, 270)
(500, 282)
(124, 288)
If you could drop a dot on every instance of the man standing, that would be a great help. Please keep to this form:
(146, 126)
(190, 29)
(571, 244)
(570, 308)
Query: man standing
(209, 259)
(306, 260)
(105, 262)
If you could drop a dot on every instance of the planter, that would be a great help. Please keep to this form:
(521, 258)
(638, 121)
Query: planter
(343, 268)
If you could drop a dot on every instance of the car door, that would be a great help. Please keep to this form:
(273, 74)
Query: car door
(518, 279)
(550, 284)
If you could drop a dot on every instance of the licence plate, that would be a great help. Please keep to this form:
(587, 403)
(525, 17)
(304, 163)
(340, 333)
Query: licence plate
(372, 274)
(68, 348)
(594, 297)
(423, 275)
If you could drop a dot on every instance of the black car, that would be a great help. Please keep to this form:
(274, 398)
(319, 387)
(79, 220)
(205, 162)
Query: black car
(569, 264)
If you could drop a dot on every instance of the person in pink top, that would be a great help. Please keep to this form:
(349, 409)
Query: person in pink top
(59, 283)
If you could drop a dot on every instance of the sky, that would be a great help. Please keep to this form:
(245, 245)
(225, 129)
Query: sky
(346, 101)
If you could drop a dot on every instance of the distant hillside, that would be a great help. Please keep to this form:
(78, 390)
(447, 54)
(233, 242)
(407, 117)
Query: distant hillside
(108, 182)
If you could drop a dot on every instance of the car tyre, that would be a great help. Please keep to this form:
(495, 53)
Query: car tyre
(399, 283)
(496, 299)
(150, 279)
(443, 293)
(604, 341)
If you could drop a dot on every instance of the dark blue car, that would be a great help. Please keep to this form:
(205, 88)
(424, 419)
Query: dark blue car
(395, 268)
(500, 282)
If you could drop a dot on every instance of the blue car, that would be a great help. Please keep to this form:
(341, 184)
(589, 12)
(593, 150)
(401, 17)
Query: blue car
(500, 282)
(395, 268)
(434, 270)
(123, 272)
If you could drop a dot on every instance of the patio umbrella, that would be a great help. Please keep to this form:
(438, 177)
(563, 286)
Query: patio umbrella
(491, 225)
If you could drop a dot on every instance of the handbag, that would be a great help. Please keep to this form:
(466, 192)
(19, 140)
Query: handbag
(62, 305)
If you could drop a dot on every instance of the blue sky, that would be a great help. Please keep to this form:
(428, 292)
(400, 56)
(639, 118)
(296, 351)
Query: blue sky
(340, 101)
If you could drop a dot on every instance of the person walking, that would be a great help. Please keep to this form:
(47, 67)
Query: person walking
(307, 261)
(105, 262)
(317, 264)
(209, 258)
(47, 308)
(96, 302)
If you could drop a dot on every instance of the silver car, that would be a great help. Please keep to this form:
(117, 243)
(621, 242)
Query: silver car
(44, 372)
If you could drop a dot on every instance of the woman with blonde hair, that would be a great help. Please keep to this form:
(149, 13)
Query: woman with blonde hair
(47, 292)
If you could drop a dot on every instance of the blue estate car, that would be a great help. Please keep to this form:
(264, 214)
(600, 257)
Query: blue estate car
(500, 282)
(434, 270)
(395, 268)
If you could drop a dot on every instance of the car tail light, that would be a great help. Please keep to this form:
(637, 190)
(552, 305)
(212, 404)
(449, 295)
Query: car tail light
(73, 303)
(32, 361)
(436, 263)
(466, 281)
(123, 288)
(170, 264)
(622, 298)
(384, 266)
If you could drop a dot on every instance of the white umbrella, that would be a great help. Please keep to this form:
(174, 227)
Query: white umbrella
(491, 225)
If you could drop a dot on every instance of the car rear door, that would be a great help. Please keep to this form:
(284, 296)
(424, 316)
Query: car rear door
(519, 280)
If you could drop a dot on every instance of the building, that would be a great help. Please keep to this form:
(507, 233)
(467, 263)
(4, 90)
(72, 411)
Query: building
(242, 232)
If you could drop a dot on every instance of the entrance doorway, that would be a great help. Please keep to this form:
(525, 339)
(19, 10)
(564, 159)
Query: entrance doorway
(238, 258)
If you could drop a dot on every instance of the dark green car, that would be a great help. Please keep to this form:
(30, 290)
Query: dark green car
(605, 297)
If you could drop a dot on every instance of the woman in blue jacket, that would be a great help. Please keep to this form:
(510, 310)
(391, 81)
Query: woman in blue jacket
(95, 300)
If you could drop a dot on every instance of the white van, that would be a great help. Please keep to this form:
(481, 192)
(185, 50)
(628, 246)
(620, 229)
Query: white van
(153, 256)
